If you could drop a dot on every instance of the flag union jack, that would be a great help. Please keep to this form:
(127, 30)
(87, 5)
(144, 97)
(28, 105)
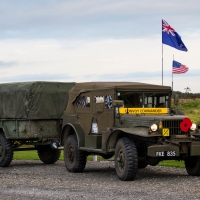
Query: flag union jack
(167, 28)
(171, 37)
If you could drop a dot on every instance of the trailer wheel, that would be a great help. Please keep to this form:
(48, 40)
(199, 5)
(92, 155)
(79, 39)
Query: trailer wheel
(48, 155)
(126, 159)
(75, 160)
(192, 165)
(6, 151)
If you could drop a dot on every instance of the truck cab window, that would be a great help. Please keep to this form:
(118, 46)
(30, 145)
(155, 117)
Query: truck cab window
(83, 101)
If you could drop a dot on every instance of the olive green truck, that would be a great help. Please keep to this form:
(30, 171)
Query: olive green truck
(97, 118)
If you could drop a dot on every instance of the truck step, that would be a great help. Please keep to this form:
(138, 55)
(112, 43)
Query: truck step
(91, 150)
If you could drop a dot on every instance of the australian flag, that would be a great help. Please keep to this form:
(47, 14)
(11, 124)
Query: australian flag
(171, 37)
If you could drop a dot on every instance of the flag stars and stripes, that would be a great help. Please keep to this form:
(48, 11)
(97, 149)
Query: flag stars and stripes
(178, 68)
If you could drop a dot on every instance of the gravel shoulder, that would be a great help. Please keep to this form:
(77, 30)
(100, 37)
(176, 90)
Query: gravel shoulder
(24, 180)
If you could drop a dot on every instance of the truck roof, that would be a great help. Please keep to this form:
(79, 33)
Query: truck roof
(122, 86)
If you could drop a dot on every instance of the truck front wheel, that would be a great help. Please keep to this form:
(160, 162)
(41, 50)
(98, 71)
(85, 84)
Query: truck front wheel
(48, 155)
(126, 159)
(75, 160)
(6, 151)
(192, 165)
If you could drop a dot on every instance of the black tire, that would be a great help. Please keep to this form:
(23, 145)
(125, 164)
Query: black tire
(6, 151)
(48, 155)
(126, 159)
(75, 160)
(192, 165)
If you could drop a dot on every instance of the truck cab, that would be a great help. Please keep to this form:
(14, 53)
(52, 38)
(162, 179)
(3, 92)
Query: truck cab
(131, 121)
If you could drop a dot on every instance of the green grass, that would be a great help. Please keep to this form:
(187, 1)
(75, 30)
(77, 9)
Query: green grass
(32, 155)
(25, 155)
(191, 109)
(172, 163)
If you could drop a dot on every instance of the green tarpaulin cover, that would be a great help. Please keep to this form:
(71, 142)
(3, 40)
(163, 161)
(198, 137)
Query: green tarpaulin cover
(34, 100)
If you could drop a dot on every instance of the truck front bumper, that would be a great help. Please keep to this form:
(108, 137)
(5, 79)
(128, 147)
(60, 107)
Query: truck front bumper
(171, 150)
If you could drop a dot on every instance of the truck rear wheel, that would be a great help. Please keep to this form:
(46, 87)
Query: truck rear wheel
(6, 151)
(126, 159)
(48, 155)
(75, 160)
(192, 165)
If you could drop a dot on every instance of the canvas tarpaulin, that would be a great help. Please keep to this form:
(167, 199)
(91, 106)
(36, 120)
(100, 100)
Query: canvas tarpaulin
(34, 100)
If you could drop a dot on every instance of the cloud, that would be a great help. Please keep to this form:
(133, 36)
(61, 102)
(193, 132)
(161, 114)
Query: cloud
(36, 77)
(97, 60)
(7, 64)
(94, 19)
(85, 40)
(179, 81)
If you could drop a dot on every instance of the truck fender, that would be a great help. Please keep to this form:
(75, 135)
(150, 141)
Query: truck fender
(137, 131)
(73, 128)
(129, 132)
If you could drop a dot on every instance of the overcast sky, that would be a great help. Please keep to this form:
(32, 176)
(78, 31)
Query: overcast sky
(87, 40)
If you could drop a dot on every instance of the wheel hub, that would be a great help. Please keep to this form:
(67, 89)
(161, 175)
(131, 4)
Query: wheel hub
(71, 154)
(121, 159)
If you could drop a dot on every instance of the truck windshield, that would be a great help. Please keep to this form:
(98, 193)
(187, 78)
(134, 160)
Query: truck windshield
(148, 100)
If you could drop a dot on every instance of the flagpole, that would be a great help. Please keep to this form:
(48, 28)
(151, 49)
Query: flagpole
(162, 54)
(162, 63)
(172, 72)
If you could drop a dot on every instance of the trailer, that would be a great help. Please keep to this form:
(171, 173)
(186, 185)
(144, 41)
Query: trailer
(31, 117)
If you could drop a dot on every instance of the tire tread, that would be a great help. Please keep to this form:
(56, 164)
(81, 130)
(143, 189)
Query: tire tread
(132, 159)
(7, 159)
(81, 156)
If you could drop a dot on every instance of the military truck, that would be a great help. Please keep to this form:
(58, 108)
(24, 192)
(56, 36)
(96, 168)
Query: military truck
(98, 122)
(31, 118)
(96, 118)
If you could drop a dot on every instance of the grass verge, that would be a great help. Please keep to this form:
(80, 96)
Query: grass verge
(32, 155)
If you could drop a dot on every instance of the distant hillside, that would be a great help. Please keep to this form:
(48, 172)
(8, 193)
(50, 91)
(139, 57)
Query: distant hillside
(186, 95)
(191, 108)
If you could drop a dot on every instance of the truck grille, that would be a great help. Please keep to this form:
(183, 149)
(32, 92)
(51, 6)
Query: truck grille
(174, 127)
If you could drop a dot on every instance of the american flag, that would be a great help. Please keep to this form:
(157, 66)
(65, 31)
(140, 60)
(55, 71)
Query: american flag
(178, 68)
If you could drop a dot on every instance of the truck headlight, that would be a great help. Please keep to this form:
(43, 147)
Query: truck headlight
(154, 127)
(193, 127)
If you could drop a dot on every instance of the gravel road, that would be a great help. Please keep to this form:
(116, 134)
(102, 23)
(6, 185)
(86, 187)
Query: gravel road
(24, 180)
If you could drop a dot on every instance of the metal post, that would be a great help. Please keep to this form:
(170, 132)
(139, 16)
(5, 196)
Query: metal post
(162, 64)
(172, 72)
(94, 157)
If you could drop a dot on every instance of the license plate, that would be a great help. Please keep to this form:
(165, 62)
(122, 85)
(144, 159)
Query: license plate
(165, 153)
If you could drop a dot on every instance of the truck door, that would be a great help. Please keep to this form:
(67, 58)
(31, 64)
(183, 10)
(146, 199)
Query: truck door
(83, 109)
(102, 109)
